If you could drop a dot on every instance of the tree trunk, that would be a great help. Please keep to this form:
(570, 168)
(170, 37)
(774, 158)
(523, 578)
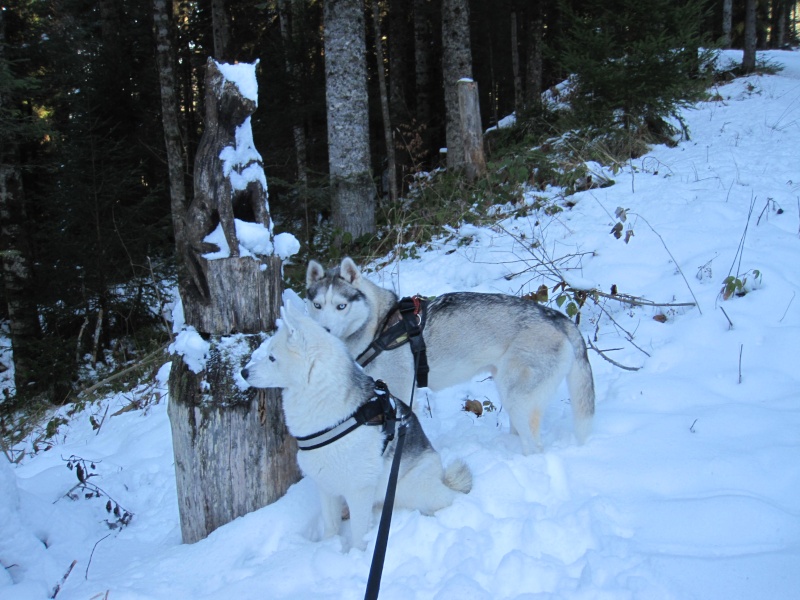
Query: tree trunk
(23, 316)
(17, 262)
(285, 16)
(400, 113)
(750, 36)
(456, 65)
(233, 453)
(778, 23)
(391, 166)
(398, 60)
(423, 42)
(727, 22)
(534, 63)
(221, 27)
(518, 91)
(165, 58)
(353, 193)
(471, 130)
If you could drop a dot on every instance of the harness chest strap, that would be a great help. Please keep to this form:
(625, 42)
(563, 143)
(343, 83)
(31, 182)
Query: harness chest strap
(381, 410)
(403, 325)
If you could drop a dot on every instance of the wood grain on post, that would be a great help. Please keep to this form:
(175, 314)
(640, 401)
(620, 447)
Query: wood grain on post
(471, 131)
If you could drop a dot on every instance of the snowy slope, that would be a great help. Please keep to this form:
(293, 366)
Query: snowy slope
(688, 487)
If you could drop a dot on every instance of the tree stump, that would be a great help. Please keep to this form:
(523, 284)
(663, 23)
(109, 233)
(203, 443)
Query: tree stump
(469, 109)
(248, 294)
(233, 453)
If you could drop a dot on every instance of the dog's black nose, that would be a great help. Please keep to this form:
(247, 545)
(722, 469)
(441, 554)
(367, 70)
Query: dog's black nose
(244, 373)
(328, 329)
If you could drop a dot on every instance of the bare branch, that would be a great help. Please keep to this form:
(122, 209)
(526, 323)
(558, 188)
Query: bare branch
(146, 360)
(612, 361)
(677, 266)
(63, 579)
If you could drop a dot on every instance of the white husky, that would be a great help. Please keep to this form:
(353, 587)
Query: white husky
(529, 349)
(325, 395)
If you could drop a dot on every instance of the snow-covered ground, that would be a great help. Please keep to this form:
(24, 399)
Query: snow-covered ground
(689, 487)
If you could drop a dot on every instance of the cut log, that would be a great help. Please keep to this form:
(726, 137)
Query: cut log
(233, 454)
(248, 294)
(469, 109)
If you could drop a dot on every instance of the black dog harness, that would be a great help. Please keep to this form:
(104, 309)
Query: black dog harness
(380, 410)
(403, 325)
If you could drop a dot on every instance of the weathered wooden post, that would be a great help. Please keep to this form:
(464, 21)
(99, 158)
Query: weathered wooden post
(469, 110)
(233, 453)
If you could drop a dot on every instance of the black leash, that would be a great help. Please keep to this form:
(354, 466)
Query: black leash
(382, 540)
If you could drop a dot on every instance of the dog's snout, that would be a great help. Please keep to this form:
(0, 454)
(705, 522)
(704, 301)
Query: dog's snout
(245, 373)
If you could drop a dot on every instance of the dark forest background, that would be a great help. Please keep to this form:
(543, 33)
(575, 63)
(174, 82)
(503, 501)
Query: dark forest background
(87, 239)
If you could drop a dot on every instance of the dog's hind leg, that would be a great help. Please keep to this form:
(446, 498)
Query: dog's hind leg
(526, 384)
(526, 424)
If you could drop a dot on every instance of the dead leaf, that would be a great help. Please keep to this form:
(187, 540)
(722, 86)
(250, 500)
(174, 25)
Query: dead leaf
(474, 407)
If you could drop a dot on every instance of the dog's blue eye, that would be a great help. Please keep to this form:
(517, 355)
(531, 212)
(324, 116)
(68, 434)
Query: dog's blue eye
(341, 306)
(271, 358)
(317, 305)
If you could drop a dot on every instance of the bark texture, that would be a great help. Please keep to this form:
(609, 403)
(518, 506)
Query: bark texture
(246, 296)
(456, 65)
(176, 157)
(233, 454)
(286, 15)
(515, 68)
(221, 27)
(423, 61)
(471, 129)
(533, 69)
(353, 192)
(750, 36)
(727, 23)
(391, 163)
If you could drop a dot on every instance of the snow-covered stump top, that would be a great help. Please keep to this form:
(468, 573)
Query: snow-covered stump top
(229, 218)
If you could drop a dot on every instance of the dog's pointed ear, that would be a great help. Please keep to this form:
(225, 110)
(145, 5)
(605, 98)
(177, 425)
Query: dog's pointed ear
(314, 273)
(348, 270)
(282, 320)
(294, 313)
(290, 297)
(290, 321)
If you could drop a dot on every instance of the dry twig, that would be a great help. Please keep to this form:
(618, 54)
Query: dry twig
(63, 579)
(611, 360)
(146, 360)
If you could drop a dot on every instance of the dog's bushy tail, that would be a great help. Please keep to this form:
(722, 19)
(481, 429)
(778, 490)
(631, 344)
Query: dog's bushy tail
(581, 391)
(458, 477)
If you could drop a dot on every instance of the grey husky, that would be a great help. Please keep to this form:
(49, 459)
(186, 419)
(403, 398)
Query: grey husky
(345, 425)
(529, 349)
